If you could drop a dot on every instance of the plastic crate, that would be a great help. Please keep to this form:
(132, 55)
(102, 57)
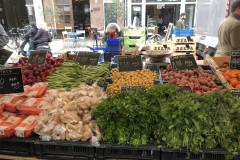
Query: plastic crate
(179, 32)
(98, 49)
(141, 31)
(18, 146)
(133, 40)
(106, 151)
(183, 154)
(113, 45)
(64, 150)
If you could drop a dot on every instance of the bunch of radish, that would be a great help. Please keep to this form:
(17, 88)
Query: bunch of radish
(38, 73)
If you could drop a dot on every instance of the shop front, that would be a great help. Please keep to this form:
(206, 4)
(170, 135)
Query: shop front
(168, 9)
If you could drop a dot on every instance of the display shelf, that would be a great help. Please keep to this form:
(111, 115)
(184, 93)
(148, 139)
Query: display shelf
(64, 150)
(107, 151)
(18, 146)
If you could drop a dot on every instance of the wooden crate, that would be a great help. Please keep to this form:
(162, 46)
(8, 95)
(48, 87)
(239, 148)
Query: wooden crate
(161, 47)
(128, 51)
(184, 53)
(184, 47)
(216, 62)
(69, 57)
(176, 39)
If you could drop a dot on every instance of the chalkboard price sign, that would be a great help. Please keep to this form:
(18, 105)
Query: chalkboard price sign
(183, 62)
(37, 57)
(235, 60)
(87, 58)
(4, 55)
(101, 84)
(235, 92)
(131, 88)
(129, 63)
(11, 81)
(184, 89)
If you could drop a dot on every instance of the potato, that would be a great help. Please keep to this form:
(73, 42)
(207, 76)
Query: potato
(198, 92)
(203, 81)
(205, 88)
(174, 81)
(171, 77)
(196, 86)
(215, 89)
(220, 87)
(209, 85)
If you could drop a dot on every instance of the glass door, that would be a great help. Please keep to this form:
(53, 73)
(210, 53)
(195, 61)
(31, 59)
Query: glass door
(190, 11)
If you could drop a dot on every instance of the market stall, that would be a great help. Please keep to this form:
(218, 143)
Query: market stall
(158, 106)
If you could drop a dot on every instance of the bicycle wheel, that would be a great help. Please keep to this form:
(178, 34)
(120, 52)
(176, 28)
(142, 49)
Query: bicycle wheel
(12, 44)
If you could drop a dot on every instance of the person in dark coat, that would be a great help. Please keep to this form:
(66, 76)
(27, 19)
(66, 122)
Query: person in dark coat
(41, 38)
(30, 34)
(4, 39)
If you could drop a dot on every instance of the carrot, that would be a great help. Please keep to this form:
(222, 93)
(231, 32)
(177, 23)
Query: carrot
(33, 106)
(25, 128)
(11, 102)
(37, 90)
(7, 127)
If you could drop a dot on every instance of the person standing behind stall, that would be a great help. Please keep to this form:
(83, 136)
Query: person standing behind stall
(159, 23)
(181, 22)
(229, 32)
(165, 20)
(136, 21)
(4, 39)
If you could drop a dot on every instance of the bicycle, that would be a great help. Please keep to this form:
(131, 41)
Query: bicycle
(17, 35)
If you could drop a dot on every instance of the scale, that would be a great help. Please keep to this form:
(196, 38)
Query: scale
(163, 62)
(157, 57)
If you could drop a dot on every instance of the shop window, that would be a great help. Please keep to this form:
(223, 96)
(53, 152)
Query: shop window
(190, 0)
(163, 0)
(136, 1)
(136, 9)
(190, 11)
(63, 10)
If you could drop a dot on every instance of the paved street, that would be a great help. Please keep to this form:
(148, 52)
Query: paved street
(59, 47)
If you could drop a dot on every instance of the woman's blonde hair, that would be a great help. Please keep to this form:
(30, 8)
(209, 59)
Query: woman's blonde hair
(43, 25)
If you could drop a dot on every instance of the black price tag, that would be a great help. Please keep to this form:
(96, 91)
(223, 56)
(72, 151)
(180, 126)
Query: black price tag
(37, 57)
(183, 62)
(87, 58)
(101, 84)
(235, 92)
(131, 88)
(235, 60)
(129, 63)
(4, 55)
(184, 89)
(11, 81)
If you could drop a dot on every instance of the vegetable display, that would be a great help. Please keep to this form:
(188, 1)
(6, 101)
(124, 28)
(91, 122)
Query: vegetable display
(143, 77)
(69, 116)
(201, 81)
(232, 76)
(160, 114)
(71, 75)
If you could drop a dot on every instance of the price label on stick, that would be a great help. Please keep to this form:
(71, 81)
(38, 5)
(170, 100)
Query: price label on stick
(131, 88)
(235, 60)
(101, 84)
(37, 57)
(4, 55)
(235, 92)
(184, 89)
(11, 81)
(183, 62)
(129, 63)
(87, 58)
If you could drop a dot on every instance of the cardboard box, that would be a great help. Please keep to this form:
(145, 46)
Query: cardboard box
(128, 51)
(216, 62)
(69, 57)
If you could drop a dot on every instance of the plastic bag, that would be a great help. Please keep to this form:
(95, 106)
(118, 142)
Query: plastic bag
(59, 132)
(25, 128)
(37, 90)
(51, 94)
(7, 127)
(33, 106)
(11, 102)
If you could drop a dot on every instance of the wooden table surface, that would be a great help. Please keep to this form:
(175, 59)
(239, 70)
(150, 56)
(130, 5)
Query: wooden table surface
(8, 157)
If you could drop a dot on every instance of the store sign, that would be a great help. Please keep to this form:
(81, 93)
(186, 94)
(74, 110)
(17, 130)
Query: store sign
(235, 60)
(131, 88)
(183, 62)
(184, 89)
(87, 58)
(4, 55)
(101, 84)
(129, 63)
(11, 81)
(37, 57)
